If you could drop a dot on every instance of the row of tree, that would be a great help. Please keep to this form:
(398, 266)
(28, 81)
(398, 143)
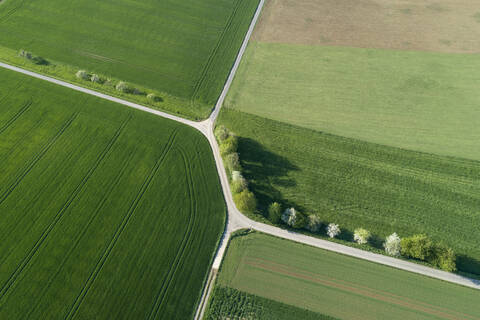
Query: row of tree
(120, 86)
(228, 143)
(419, 247)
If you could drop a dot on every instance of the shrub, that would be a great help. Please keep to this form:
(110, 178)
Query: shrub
(232, 162)
(275, 212)
(418, 246)
(333, 230)
(444, 258)
(153, 97)
(238, 185)
(221, 133)
(392, 245)
(229, 145)
(289, 216)
(301, 220)
(40, 61)
(137, 91)
(313, 223)
(361, 236)
(82, 74)
(25, 54)
(109, 83)
(95, 78)
(246, 201)
(122, 87)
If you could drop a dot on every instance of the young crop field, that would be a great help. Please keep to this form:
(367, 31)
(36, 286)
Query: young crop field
(106, 212)
(317, 280)
(182, 50)
(360, 184)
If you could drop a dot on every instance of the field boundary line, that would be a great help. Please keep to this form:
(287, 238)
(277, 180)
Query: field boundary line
(159, 300)
(16, 116)
(37, 158)
(83, 232)
(131, 210)
(23, 264)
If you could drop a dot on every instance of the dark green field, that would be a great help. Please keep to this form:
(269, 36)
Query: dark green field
(271, 276)
(183, 50)
(106, 212)
(360, 184)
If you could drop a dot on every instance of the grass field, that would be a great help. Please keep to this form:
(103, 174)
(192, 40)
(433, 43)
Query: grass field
(360, 184)
(184, 50)
(106, 212)
(415, 100)
(317, 280)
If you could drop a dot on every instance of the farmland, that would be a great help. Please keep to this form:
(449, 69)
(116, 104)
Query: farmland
(366, 114)
(316, 280)
(106, 212)
(181, 51)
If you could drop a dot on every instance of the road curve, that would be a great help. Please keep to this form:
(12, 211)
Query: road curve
(235, 219)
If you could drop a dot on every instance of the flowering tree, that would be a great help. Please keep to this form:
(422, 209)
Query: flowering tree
(122, 87)
(333, 230)
(95, 78)
(313, 223)
(361, 236)
(392, 245)
(82, 74)
(289, 216)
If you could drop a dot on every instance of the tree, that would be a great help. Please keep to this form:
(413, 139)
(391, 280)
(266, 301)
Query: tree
(232, 162)
(289, 216)
(301, 220)
(444, 258)
(221, 133)
(313, 223)
(333, 230)
(229, 145)
(122, 87)
(82, 74)
(361, 236)
(392, 245)
(246, 201)
(418, 246)
(95, 78)
(275, 212)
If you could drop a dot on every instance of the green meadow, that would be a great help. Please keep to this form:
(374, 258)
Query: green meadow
(106, 212)
(258, 267)
(182, 51)
(422, 101)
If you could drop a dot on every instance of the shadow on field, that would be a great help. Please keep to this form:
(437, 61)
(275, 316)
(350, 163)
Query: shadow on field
(264, 169)
(468, 264)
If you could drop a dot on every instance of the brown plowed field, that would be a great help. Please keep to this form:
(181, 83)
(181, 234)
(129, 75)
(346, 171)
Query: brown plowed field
(430, 25)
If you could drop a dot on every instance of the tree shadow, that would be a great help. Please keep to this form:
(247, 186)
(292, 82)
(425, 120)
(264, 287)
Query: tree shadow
(264, 170)
(468, 264)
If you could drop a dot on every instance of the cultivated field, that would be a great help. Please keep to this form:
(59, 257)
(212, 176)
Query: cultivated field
(183, 50)
(317, 280)
(360, 184)
(106, 212)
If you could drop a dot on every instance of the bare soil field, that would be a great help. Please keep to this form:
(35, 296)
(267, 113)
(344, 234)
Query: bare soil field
(430, 25)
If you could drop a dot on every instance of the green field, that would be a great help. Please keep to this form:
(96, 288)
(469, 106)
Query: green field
(360, 184)
(182, 50)
(423, 101)
(106, 212)
(343, 287)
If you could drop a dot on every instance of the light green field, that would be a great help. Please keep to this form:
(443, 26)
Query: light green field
(180, 49)
(422, 101)
(339, 286)
(105, 212)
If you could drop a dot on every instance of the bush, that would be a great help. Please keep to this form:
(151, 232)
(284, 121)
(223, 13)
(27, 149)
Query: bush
(444, 258)
(137, 91)
(239, 185)
(95, 78)
(313, 223)
(153, 97)
(109, 83)
(289, 216)
(361, 236)
(275, 212)
(40, 61)
(221, 133)
(232, 162)
(245, 201)
(82, 74)
(392, 245)
(229, 145)
(418, 246)
(333, 230)
(301, 220)
(25, 54)
(122, 87)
